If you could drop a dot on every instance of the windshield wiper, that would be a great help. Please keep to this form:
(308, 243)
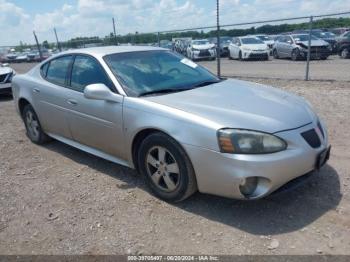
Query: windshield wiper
(162, 91)
(206, 83)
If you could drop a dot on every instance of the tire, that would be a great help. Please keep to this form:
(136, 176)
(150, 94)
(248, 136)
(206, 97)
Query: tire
(345, 53)
(275, 54)
(33, 128)
(295, 54)
(157, 154)
(240, 56)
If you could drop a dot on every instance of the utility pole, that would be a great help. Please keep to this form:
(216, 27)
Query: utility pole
(218, 38)
(38, 46)
(58, 43)
(309, 50)
(115, 34)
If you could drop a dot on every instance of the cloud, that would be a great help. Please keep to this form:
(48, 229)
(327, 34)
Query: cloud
(94, 17)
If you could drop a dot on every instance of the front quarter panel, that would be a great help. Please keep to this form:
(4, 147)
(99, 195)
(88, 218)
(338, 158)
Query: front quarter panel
(186, 128)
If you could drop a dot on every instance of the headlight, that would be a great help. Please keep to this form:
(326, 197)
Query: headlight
(246, 49)
(239, 141)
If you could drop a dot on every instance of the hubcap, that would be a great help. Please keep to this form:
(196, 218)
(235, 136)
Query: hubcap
(163, 169)
(32, 125)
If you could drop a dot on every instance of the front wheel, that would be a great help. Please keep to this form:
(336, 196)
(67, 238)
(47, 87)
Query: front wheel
(345, 53)
(295, 54)
(33, 127)
(275, 54)
(166, 167)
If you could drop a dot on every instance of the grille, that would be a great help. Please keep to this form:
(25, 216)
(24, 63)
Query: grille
(204, 53)
(311, 138)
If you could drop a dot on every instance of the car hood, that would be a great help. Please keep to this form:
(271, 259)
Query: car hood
(203, 47)
(256, 47)
(5, 70)
(240, 104)
(313, 43)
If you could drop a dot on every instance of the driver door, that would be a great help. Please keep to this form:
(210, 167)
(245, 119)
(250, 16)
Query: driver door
(94, 123)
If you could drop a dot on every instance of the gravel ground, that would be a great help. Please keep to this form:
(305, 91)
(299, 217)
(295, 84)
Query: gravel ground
(334, 68)
(55, 199)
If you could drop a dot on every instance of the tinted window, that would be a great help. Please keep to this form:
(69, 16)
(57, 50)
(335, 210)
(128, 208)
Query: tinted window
(86, 71)
(57, 70)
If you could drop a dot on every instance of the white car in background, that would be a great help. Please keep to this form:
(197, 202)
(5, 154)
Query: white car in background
(201, 49)
(6, 74)
(267, 40)
(248, 47)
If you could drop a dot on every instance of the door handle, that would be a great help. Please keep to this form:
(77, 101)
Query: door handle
(72, 102)
(36, 90)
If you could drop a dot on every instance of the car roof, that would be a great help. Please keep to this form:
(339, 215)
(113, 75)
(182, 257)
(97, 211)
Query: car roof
(108, 50)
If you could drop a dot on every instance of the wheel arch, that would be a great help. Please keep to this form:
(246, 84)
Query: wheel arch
(22, 102)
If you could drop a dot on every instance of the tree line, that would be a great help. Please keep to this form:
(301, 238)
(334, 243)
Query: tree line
(148, 38)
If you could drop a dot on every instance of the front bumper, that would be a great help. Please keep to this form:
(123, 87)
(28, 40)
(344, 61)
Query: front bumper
(255, 54)
(204, 54)
(222, 174)
(5, 88)
(316, 53)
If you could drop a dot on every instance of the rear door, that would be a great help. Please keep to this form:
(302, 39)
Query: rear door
(50, 98)
(94, 123)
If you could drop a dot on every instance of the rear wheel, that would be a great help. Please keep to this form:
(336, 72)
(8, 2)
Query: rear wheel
(166, 168)
(33, 127)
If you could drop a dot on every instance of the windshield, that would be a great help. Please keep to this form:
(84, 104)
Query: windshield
(145, 72)
(264, 37)
(251, 41)
(324, 34)
(303, 38)
(200, 42)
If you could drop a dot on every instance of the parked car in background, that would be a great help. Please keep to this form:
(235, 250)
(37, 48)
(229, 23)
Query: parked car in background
(181, 44)
(201, 49)
(343, 45)
(340, 30)
(11, 57)
(268, 40)
(295, 46)
(224, 43)
(22, 57)
(181, 127)
(6, 74)
(166, 44)
(327, 36)
(248, 47)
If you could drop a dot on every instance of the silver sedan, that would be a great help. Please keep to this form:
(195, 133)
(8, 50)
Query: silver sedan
(177, 124)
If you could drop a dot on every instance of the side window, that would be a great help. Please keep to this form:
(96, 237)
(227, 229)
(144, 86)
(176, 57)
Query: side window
(86, 71)
(57, 70)
(289, 40)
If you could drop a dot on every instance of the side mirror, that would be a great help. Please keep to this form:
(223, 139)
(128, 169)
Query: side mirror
(101, 92)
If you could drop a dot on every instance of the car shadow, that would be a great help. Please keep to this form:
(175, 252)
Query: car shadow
(279, 213)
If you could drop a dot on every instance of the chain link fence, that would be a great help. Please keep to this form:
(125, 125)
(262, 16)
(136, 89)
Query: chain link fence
(302, 48)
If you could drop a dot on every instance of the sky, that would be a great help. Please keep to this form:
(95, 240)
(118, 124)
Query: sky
(74, 18)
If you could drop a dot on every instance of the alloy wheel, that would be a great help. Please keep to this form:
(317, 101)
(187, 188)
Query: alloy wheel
(163, 169)
(32, 125)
